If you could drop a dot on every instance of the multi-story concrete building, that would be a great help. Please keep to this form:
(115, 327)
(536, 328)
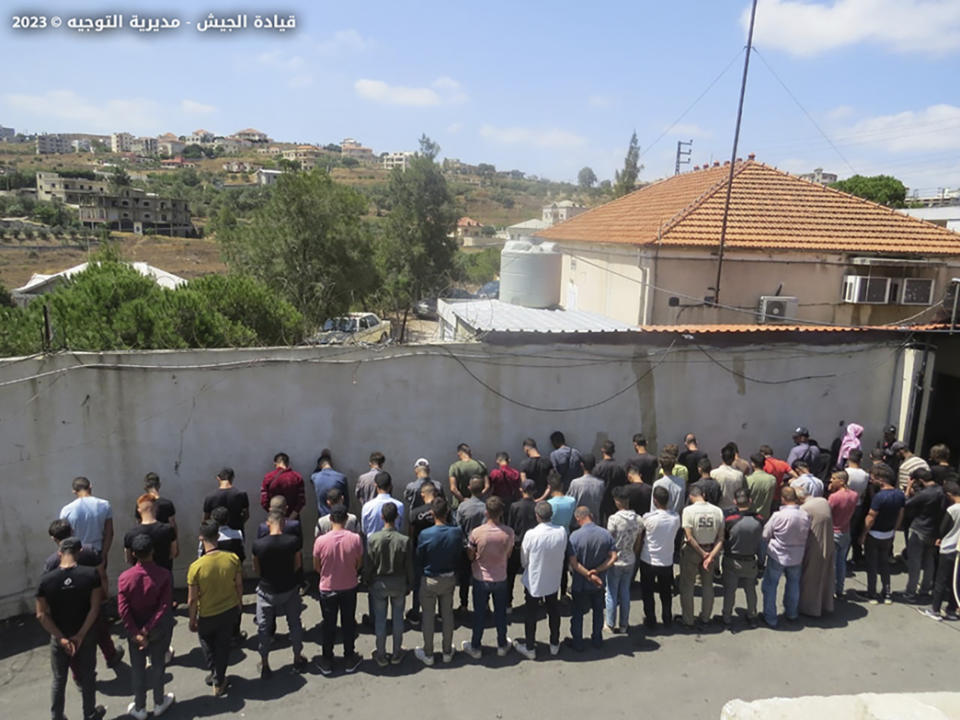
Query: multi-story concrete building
(135, 210)
(251, 135)
(7, 134)
(397, 160)
(561, 211)
(819, 176)
(144, 146)
(53, 143)
(53, 187)
(306, 155)
(353, 149)
(199, 137)
(121, 142)
(80, 145)
(170, 145)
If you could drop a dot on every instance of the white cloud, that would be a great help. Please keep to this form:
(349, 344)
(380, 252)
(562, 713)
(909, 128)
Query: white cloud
(444, 91)
(343, 41)
(931, 129)
(454, 128)
(65, 108)
(543, 138)
(689, 130)
(840, 112)
(806, 29)
(192, 107)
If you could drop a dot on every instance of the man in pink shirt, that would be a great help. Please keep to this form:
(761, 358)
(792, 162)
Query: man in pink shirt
(843, 503)
(489, 549)
(337, 558)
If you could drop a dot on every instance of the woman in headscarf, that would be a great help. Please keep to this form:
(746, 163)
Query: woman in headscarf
(851, 441)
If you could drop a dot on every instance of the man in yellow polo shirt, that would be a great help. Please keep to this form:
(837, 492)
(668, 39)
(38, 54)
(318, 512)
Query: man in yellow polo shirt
(215, 593)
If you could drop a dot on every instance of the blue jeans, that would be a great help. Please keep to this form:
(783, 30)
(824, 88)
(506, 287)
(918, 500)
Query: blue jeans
(583, 602)
(791, 594)
(618, 593)
(841, 544)
(482, 590)
(382, 594)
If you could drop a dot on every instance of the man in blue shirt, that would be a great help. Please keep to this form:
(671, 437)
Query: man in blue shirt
(371, 518)
(324, 479)
(439, 555)
(883, 520)
(565, 459)
(591, 551)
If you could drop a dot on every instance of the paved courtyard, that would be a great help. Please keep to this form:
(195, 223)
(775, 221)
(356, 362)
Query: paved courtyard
(679, 675)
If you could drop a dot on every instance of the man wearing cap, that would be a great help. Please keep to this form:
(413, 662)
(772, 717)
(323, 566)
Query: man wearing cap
(68, 602)
(802, 448)
(366, 488)
(412, 496)
(144, 602)
(371, 517)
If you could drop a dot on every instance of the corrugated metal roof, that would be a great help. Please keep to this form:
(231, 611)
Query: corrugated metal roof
(497, 316)
(39, 282)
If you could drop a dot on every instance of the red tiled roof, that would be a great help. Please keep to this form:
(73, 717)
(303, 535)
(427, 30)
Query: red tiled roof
(769, 210)
(467, 222)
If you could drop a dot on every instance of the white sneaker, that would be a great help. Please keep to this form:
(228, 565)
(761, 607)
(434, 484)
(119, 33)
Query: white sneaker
(502, 651)
(160, 709)
(554, 649)
(132, 711)
(168, 657)
(470, 650)
(529, 654)
(420, 655)
(448, 658)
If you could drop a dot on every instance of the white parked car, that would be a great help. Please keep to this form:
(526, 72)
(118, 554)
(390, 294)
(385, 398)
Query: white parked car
(354, 328)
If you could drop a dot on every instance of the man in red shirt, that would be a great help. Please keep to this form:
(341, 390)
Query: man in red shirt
(505, 481)
(778, 468)
(283, 481)
(144, 604)
(337, 558)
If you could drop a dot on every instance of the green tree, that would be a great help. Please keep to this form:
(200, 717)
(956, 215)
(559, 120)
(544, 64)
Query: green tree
(192, 152)
(626, 179)
(6, 299)
(119, 178)
(586, 178)
(247, 301)
(310, 243)
(417, 251)
(882, 189)
(289, 165)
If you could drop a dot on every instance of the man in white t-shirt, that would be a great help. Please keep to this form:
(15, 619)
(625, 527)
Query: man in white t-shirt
(541, 555)
(659, 531)
(90, 517)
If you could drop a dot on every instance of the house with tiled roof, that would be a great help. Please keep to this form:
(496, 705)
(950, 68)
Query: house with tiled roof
(795, 250)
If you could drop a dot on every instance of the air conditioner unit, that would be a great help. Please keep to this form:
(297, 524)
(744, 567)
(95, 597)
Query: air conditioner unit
(776, 308)
(866, 289)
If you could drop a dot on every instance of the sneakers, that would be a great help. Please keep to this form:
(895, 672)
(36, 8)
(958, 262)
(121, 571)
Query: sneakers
(929, 613)
(427, 660)
(447, 657)
(98, 713)
(380, 659)
(160, 709)
(504, 649)
(528, 653)
(470, 650)
(352, 662)
(397, 657)
(324, 666)
(951, 616)
(221, 690)
(554, 649)
(887, 599)
(873, 600)
(136, 714)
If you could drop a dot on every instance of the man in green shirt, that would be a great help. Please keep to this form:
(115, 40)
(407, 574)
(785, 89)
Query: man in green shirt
(388, 571)
(214, 596)
(462, 470)
(762, 486)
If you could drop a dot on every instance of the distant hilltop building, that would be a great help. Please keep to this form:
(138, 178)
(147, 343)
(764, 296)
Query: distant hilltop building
(397, 160)
(200, 137)
(561, 211)
(53, 187)
(136, 210)
(353, 149)
(819, 176)
(251, 135)
(306, 155)
(7, 134)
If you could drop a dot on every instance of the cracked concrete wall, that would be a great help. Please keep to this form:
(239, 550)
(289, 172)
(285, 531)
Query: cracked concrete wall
(185, 414)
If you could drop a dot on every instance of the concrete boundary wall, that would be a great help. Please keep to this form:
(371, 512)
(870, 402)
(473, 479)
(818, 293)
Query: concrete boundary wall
(185, 414)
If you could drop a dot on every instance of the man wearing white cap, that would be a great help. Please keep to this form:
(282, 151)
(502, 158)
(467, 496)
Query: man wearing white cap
(411, 493)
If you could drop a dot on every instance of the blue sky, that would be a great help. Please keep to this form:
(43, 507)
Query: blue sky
(543, 87)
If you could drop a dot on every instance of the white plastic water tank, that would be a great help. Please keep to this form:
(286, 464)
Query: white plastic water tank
(530, 273)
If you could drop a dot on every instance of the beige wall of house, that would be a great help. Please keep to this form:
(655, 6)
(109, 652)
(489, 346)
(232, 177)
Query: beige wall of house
(620, 281)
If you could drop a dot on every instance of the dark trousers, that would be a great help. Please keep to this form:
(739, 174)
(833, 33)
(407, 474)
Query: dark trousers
(216, 637)
(921, 556)
(344, 604)
(877, 552)
(532, 606)
(464, 580)
(583, 602)
(513, 569)
(943, 589)
(142, 678)
(84, 663)
(656, 580)
(565, 575)
(482, 592)
(856, 530)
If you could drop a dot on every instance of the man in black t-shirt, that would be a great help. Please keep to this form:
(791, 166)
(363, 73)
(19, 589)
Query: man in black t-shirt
(535, 467)
(68, 602)
(234, 500)
(646, 463)
(278, 561)
(613, 476)
(164, 509)
(691, 456)
(162, 535)
(521, 517)
(638, 491)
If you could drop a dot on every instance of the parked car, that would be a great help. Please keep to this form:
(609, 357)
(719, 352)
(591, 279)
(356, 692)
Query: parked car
(491, 290)
(426, 309)
(354, 328)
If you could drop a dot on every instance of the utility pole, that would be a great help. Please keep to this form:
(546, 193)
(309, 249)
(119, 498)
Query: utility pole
(733, 155)
(683, 156)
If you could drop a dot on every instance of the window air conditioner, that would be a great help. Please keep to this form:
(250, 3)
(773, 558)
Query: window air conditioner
(775, 309)
(866, 289)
